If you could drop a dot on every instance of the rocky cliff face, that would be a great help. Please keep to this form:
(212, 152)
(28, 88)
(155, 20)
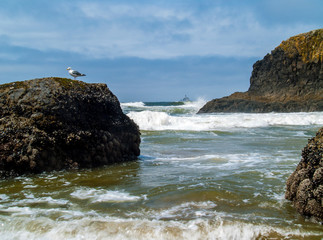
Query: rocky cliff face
(56, 123)
(305, 186)
(290, 79)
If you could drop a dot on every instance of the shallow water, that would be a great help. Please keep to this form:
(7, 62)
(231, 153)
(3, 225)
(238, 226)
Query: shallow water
(210, 176)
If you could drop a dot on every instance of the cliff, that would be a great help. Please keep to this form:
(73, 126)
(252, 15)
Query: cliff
(304, 187)
(290, 79)
(56, 123)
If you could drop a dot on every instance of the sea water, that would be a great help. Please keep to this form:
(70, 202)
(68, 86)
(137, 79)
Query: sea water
(199, 176)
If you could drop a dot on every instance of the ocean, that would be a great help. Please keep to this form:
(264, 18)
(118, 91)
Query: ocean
(199, 176)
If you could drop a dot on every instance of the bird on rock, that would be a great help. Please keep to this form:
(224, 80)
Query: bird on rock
(74, 73)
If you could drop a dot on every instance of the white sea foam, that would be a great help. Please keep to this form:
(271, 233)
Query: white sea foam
(47, 200)
(30, 186)
(116, 228)
(170, 108)
(198, 104)
(101, 195)
(23, 206)
(3, 197)
(133, 104)
(159, 121)
(16, 211)
(193, 158)
(188, 209)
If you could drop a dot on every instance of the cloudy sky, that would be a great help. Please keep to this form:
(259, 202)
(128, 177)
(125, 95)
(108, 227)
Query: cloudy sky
(149, 50)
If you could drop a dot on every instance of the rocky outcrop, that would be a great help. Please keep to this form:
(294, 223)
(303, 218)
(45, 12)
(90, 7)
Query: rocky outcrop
(290, 79)
(56, 123)
(305, 186)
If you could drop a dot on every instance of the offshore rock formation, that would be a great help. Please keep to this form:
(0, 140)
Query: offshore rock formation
(305, 185)
(290, 79)
(57, 123)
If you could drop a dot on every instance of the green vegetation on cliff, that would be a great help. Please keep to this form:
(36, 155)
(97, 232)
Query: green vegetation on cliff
(308, 45)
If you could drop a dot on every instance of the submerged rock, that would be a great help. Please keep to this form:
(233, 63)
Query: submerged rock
(305, 186)
(56, 123)
(290, 79)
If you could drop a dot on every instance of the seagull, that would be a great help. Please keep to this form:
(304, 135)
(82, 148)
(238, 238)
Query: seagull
(74, 73)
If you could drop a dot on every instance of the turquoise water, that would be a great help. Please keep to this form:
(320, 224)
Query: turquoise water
(210, 176)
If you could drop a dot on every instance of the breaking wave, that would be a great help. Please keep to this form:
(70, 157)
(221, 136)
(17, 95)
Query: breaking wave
(92, 225)
(159, 121)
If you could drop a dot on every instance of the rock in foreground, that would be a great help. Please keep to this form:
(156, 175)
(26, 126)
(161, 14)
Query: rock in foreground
(290, 79)
(305, 185)
(57, 123)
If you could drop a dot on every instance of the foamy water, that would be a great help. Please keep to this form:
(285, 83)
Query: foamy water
(151, 118)
(209, 176)
(101, 195)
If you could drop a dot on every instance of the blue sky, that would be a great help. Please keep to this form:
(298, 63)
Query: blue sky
(149, 50)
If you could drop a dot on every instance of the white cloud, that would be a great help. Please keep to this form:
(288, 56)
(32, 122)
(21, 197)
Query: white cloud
(111, 12)
(147, 31)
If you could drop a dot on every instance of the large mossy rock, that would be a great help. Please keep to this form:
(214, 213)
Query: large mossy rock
(56, 123)
(290, 79)
(305, 185)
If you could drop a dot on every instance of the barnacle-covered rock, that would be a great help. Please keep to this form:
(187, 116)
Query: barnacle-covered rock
(305, 185)
(57, 123)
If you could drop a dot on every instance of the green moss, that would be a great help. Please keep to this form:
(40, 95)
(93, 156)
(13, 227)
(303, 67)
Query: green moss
(308, 45)
(13, 85)
(63, 82)
(69, 83)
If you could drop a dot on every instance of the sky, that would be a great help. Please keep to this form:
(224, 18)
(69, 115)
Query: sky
(149, 50)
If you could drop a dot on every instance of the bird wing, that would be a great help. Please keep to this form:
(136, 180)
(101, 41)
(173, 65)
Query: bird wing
(74, 72)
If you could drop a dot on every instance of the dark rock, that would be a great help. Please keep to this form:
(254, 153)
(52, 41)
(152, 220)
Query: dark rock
(56, 123)
(290, 79)
(305, 185)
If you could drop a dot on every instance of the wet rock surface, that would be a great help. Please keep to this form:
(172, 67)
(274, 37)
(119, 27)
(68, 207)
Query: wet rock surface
(289, 79)
(56, 123)
(304, 187)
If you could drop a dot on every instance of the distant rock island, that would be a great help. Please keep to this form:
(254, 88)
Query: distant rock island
(290, 79)
(304, 187)
(57, 123)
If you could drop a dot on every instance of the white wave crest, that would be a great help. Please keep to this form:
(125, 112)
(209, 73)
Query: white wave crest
(3, 197)
(47, 200)
(149, 120)
(89, 227)
(158, 121)
(133, 104)
(198, 104)
(101, 195)
(168, 107)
